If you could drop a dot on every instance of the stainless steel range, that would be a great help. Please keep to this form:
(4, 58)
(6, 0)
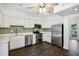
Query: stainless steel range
(36, 32)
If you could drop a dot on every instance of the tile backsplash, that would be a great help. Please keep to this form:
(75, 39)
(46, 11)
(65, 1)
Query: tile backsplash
(20, 29)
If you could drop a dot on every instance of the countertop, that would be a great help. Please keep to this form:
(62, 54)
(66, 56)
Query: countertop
(5, 38)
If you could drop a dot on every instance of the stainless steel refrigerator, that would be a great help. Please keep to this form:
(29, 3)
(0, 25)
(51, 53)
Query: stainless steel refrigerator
(57, 35)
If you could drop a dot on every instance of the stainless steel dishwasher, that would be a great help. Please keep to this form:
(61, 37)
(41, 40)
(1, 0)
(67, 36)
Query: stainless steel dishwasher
(28, 40)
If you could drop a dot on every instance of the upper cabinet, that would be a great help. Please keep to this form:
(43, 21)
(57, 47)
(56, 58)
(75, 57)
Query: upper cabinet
(1, 20)
(28, 23)
(4, 21)
(16, 21)
(46, 25)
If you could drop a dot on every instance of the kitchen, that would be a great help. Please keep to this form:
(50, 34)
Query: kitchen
(17, 26)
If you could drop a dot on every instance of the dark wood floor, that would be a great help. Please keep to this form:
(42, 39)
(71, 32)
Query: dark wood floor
(44, 49)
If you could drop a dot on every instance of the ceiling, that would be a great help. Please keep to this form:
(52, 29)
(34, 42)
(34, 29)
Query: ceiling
(32, 9)
(69, 11)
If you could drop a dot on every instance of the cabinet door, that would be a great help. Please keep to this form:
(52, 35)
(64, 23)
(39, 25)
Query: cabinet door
(26, 23)
(31, 24)
(6, 21)
(13, 21)
(20, 21)
(17, 42)
(1, 20)
(28, 40)
(47, 36)
(16, 21)
(46, 25)
(12, 43)
(34, 38)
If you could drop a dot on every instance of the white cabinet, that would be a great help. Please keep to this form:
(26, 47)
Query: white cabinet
(47, 37)
(34, 38)
(31, 23)
(16, 21)
(13, 21)
(46, 25)
(28, 23)
(1, 20)
(21, 21)
(6, 21)
(17, 42)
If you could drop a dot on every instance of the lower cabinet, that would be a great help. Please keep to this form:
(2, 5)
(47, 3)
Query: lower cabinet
(17, 42)
(47, 37)
(28, 40)
(34, 39)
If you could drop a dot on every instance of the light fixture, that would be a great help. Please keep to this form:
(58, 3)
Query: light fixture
(42, 10)
(46, 7)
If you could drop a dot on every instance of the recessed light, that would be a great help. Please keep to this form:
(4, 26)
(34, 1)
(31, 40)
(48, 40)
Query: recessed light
(76, 9)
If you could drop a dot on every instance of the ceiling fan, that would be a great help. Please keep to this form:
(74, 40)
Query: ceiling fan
(42, 7)
(47, 7)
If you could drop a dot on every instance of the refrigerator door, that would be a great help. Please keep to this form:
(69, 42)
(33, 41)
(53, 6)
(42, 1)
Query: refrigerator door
(57, 35)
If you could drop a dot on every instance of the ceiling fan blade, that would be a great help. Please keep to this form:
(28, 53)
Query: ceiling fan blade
(51, 5)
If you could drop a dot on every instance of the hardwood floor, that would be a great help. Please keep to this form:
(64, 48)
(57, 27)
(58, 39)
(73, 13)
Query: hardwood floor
(46, 49)
(43, 49)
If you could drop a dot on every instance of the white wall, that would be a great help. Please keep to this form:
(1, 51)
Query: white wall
(74, 19)
(61, 20)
